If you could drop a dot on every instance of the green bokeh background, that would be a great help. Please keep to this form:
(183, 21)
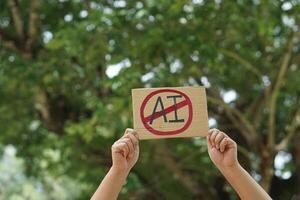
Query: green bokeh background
(67, 68)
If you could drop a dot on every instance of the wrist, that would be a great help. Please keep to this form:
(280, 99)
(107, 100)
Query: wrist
(230, 169)
(119, 172)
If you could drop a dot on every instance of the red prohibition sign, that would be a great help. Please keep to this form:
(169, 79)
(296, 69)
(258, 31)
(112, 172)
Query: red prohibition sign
(185, 102)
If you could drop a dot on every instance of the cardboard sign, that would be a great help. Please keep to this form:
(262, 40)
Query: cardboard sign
(170, 112)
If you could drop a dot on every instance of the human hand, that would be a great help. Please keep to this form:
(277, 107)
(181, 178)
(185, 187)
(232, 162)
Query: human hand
(125, 151)
(222, 149)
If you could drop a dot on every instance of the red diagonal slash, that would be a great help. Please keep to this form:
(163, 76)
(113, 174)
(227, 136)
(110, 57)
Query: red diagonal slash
(167, 110)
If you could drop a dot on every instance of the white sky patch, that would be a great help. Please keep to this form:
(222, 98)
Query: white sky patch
(11, 58)
(95, 6)
(281, 159)
(139, 26)
(107, 57)
(229, 96)
(212, 122)
(256, 176)
(116, 85)
(276, 43)
(218, 2)
(139, 5)
(47, 36)
(182, 20)
(111, 42)
(114, 69)
(192, 81)
(266, 81)
(195, 56)
(34, 125)
(140, 13)
(106, 21)
(10, 150)
(68, 17)
(188, 8)
(147, 77)
(198, 2)
(107, 10)
(294, 67)
(286, 6)
(205, 81)
(83, 13)
(151, 18)
(4, 22)
(119, 4)
(283, 175)
(288, 102)
(90, 27)
(288, 21)
(176, 66)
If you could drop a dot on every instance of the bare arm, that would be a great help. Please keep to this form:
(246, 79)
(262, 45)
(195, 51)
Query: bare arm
(223, 152)
(125, 153)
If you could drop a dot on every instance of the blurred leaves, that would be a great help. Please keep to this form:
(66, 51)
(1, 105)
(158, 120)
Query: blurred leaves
(63, 106)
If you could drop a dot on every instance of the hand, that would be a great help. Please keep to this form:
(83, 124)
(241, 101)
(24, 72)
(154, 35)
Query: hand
(125, 151)
(222, 149)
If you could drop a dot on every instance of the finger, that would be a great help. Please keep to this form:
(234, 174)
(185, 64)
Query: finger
(218, 139)
(120, 147)
(231, 142)
(134, 143)
(133, 139)
(128, 130)
(131, 131)
(213, 136)
(208, 142)
(128, 142)
(223, 144)
(212, 130)
(136, 134)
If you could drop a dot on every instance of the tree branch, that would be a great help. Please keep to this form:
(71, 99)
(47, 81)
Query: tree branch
(276, 87)
(291, 131)
(6, 41)
(32, 29)
(87, 4)
(171, 164)
(238, 119)
(242, 61)
(18, 22)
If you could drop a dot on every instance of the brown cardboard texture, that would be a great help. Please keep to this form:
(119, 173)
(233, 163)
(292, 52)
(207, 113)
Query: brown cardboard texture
(170, 112)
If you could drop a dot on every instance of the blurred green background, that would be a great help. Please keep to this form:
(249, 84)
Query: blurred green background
(67, 68)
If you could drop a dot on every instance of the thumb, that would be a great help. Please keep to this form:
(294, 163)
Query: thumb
(208, 142)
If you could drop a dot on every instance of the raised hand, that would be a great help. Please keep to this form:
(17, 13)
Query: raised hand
(223, 152)
(221, 149)
(125, 151)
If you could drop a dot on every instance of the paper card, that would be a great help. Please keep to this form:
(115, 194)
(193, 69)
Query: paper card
(170, 112)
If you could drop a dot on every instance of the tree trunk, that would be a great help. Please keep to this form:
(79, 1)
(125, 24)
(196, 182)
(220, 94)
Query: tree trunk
(266, 168)
(296, 159)
(198, 190)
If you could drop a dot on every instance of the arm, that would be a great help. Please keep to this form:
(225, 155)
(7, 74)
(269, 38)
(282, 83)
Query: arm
(223, 152)
(125, 153)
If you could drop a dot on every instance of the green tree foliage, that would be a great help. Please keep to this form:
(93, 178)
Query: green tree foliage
(67, 69)
(15, 185)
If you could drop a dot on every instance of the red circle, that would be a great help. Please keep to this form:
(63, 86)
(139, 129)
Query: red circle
(174, 132)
